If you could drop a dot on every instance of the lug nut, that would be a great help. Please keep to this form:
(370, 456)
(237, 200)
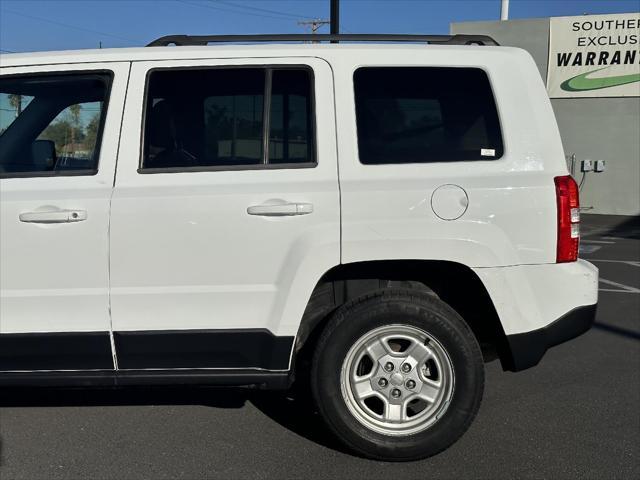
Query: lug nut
(389, 367)
(406, 368)
(411, 384)
(383, 382)
(395, 393)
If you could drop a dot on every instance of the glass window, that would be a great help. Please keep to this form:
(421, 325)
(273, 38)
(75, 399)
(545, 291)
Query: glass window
(425, 114)
(290, 127)
(11, 107)
(74, 133)
(233, 118)
(51, 124)
(218, 119)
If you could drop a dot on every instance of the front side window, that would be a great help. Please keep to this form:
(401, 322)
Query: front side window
(51, 124)
(425, 114)
(215, 118)
(11, 107)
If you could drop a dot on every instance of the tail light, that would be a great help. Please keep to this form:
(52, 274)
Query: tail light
(567, 197)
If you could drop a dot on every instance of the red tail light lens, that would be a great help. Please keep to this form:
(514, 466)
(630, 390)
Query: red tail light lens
(567, 197)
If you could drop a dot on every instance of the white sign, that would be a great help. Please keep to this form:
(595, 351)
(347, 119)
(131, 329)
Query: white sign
(594, 56)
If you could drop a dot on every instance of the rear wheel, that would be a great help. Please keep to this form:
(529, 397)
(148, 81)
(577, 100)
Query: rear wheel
(397, 375)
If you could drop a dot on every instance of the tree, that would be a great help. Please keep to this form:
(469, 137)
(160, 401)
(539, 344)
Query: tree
(62, 133)
(91, 131)
(59, 132)
(74, 111)
(15, 101)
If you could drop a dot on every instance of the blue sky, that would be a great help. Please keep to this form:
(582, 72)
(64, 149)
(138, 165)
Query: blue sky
(29, 25)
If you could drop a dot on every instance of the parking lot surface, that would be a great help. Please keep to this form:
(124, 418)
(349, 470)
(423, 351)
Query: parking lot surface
(576, 415)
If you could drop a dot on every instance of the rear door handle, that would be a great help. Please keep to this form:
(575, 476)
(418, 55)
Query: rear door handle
(281, 209)
(54, 216)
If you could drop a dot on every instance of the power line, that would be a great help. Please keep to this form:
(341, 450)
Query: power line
(258, 9)
(237, 12)
(222, 9)
(54, 22)
(311, 22)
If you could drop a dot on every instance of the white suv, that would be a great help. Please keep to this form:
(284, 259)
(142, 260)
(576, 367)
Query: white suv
(365, 217)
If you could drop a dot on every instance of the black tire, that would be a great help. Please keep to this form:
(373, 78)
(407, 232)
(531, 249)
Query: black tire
(409, 307)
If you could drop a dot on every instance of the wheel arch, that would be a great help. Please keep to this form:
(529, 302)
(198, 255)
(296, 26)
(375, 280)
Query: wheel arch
(454, 283)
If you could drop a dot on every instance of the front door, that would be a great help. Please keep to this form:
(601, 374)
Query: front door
(59, 129)
(225, 211)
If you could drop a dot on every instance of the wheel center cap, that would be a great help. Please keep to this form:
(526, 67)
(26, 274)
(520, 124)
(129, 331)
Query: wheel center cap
(397, 379)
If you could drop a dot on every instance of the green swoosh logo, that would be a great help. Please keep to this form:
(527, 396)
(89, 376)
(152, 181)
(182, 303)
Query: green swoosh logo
(581, 83)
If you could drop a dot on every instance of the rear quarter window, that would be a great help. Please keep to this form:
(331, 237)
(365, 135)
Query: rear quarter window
(425, 114)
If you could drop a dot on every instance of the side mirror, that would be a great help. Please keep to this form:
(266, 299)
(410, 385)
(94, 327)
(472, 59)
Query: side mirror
(43, 154)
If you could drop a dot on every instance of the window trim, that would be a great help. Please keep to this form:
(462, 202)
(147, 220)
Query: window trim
(495, 102)
(265, 165)
(110, 74)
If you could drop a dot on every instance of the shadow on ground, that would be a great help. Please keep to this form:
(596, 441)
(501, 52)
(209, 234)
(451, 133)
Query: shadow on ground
(623, 332)
(620, 226)
(291, 411)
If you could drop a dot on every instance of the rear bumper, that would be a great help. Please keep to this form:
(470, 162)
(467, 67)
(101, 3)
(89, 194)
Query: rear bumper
(540, 306)
(526, 349)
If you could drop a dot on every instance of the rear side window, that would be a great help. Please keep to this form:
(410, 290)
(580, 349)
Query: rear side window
(290, 121)
(425, 114)
(228, 118)
(233, 116)
(52, 124)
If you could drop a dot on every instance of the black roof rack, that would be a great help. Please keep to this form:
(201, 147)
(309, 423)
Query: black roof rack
(182, 40)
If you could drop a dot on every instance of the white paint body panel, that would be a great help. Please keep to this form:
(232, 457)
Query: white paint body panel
(528, 297)
(185, 254)
(511, 215)
(54, 277)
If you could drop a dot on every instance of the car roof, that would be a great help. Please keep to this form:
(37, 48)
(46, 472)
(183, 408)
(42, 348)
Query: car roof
(230, 51)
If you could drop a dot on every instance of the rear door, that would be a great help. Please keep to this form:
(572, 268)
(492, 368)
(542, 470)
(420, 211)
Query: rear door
(225, 211)
(58, 143)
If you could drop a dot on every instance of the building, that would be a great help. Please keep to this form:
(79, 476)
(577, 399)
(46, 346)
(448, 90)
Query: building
(602, 123)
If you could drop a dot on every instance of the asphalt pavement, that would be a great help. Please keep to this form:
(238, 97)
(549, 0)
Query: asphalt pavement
(576, 415)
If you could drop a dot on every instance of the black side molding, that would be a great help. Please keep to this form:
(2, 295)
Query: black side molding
(528, 348)
(56, 351)
(105, 378)
(237, 349)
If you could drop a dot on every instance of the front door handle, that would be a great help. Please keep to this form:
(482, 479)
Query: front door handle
(281, 209)
(54, 216)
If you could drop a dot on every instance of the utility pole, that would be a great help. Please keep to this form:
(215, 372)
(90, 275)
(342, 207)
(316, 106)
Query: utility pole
(314, 24)
(504, 10)
(335, 18)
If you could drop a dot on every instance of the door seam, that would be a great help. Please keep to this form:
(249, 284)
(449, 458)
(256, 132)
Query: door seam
(114, 353)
